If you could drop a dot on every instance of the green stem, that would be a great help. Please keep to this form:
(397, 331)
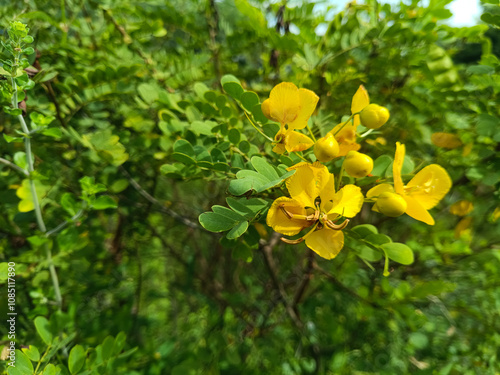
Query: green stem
(303, 158)
(256, 127)
(310, 132)
(36, 203)
(345, 123)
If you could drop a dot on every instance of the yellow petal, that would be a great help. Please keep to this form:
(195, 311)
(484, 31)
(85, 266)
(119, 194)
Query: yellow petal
(277, 219)
(266, 109)
(446, 140)
(327, 191)
(429, 186)
(379, 189)
(295, 141)
(461, 208)
(307, 182)
(399, 157)
(326, 242)
(308, 102)
(279, 148)
(463, 227)
(346, 138)
(348, 201)
(359, 101)
(416, 211)
(284, 102)
(302, 184)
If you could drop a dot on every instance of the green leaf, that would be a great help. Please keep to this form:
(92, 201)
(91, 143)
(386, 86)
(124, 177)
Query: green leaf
(50, 369)
(365, 230)
(234, 136)
(119, 343)
(380, 165)
(52, 132)
(398, 252)
(148, 92)
(20, 160)
(215, 222)
(480, 69)
(184, 152)
(232, 86)
(107, 346)
(249, 208)
(23, 365)
(202, 127)
(237, 230)
(221, 210)
(258, 115)
(249, 99)
(43, 328)
(10, 139)
(69, 203)
(103, 202)
(377, 239)
(264, 168)
(76, 359)
(32, 353)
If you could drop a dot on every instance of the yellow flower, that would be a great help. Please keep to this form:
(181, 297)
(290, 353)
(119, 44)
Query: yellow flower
(291, 107)
(346, 134)
(314, 203)
(461, 208)
(446, 140)
(423, 192)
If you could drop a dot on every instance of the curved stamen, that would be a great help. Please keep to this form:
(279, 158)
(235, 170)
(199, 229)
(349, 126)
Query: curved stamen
(299, 240)
(330, 224)
(312, 217)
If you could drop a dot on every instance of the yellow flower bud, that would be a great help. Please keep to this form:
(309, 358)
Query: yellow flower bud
(373, 116)
(390, 204)
(326, 148)
(357, 164)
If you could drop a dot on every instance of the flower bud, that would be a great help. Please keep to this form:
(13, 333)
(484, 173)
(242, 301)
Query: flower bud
(390, 204)
(357, 164)
(373, 116)
(326, 148)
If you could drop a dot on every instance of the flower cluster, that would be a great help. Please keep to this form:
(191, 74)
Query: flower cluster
(315, 205)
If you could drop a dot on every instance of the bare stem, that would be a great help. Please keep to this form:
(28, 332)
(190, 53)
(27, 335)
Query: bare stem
(36, 203)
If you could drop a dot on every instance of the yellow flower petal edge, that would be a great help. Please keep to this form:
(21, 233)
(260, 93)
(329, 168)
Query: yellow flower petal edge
(429, 186)
(417, 211)
(461, 208)
(308, 102)
(379, 189)
(284, 103)
(359, 101)
(397, 166)
(295, 141)
(348, 201)
(277, 220)
(326, 242)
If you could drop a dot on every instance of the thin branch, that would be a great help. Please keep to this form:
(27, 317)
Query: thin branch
(305, 280)
(13, 166)
(63, 224)
(335, 281)
(267, 249)
(156, 202)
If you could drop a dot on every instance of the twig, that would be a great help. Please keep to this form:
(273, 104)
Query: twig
(63, 224)
(13, 166)
(156, 202)
(266, 250)
(305, 279)
(334, 280)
